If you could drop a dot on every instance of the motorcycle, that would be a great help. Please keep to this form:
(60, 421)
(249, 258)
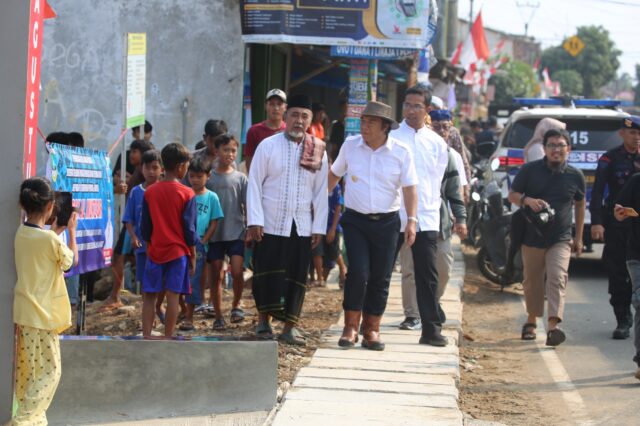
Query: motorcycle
(474, 213)
(497, 260)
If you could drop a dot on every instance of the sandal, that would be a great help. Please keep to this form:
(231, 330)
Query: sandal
(160, 315)
(237, 315)
(108, 307)
(186, 326)
(293, 337)
(528, 331)
(219, 324)
(555, 337)
(209, 311)
(264, 330)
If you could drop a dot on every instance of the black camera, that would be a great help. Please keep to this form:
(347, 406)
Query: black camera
(540, 220)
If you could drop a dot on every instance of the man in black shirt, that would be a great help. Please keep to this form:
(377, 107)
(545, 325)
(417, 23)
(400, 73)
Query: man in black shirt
(630, 198)
(615, 168)
(549, 183)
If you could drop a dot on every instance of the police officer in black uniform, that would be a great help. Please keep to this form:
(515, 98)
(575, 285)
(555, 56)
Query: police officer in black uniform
(615, 168)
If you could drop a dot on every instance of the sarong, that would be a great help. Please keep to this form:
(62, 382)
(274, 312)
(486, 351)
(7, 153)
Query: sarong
(38, 370)
(280, 274)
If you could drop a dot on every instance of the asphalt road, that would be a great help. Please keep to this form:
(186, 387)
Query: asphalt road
(600, 368)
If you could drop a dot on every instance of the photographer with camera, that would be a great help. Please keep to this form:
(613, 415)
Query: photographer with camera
(547, 190)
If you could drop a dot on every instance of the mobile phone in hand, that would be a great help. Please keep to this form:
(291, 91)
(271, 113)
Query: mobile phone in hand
(64, 207)
(630, 212)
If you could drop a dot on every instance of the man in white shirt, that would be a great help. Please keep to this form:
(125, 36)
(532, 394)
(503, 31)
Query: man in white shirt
(287, 208)
(379, 168)
(418, 262)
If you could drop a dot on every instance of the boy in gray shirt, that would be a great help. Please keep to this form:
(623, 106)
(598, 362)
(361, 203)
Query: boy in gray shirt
(231, 187)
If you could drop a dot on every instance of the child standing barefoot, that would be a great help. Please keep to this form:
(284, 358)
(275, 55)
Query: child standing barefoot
(41, 307)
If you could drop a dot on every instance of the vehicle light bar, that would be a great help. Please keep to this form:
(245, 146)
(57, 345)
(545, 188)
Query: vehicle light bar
(605, 103)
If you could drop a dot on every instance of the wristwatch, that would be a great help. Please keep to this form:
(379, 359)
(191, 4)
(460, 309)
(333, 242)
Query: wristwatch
(413, 219)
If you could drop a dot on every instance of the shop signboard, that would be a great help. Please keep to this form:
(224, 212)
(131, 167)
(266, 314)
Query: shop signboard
(379, 23)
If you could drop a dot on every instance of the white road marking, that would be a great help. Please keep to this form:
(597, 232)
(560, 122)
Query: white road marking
(569, 392)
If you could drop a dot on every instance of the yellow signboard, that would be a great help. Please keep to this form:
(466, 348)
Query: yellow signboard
(573, 45)
(137, 44)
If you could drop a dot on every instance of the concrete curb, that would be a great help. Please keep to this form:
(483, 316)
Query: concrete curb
(406, 384)
(105, 381)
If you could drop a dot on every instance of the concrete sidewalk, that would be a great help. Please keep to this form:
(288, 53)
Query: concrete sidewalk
(406, 384)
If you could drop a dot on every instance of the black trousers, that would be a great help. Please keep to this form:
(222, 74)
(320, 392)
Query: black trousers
(614, 259)
(424, 251)
(280, 266)
(371, 248)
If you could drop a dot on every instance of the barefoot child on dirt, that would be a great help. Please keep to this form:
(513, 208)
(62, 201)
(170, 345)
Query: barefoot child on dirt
(231, 187)
(152, 171)
(209, 212)
(168, 225)
(41, 306)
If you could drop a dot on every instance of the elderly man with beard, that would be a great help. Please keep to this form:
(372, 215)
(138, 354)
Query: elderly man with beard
(549, 183)
(287, 209)
(378, 167)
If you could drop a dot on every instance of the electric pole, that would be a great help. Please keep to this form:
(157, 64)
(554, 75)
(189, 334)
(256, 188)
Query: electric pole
(532, 6)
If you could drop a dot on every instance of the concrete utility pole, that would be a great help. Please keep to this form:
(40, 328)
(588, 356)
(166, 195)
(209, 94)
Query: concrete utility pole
(452, 27)
(14, 34)
(470, 15)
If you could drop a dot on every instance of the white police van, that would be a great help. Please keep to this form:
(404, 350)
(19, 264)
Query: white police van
(593, 125)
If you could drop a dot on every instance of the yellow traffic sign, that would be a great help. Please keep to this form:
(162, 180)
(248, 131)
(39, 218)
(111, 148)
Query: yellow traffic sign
(573, 45)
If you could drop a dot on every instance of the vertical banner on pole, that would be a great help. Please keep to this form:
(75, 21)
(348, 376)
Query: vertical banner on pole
(358, 94)
(136, 79)
(373, 80)
(36, 17)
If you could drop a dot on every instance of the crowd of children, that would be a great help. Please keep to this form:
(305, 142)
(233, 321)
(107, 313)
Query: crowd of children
(184, 221)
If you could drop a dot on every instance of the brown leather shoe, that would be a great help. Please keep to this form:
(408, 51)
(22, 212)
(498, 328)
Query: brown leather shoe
(371, 338)
(350, 331)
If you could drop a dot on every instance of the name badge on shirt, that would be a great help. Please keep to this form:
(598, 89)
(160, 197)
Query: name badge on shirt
(354, 178)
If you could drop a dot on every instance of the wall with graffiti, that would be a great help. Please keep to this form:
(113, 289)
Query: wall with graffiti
(194, 68)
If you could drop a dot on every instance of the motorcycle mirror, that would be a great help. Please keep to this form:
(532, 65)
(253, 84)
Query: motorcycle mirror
(495, 164)
(475, 196)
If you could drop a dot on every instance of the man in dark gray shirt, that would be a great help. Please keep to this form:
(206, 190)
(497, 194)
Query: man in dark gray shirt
(549, 183)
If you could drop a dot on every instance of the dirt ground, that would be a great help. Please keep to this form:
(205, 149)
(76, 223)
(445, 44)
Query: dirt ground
(321, 309)
(498, 380)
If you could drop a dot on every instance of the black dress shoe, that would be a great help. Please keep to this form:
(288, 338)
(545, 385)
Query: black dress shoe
(435, 340)
(621, 332)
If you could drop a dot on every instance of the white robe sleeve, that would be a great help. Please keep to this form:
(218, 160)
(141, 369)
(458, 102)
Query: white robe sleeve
(320, 199)
(257, 174)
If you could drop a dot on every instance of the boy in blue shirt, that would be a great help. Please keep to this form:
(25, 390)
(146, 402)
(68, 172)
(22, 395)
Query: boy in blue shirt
(151, 170)
(209, 211)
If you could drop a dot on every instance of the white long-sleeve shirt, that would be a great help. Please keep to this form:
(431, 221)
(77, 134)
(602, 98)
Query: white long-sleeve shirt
(429, 152)
(281, 192)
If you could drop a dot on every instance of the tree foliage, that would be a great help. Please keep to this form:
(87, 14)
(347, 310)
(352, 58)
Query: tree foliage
(570, 81)
(597, 63)
(514, 79)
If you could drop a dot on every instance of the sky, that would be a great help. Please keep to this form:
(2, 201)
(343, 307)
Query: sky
(555, 20)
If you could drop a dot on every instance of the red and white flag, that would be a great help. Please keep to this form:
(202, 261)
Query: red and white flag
(546, 79)
(474, 49)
